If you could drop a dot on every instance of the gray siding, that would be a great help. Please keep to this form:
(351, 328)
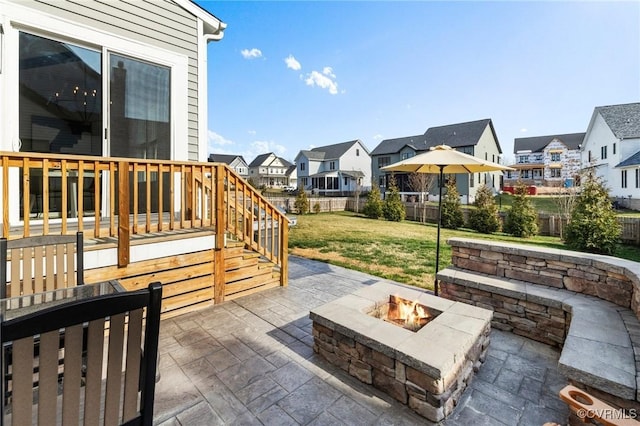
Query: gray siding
(159, 23)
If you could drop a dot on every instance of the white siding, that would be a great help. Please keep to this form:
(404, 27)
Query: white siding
(597, 136)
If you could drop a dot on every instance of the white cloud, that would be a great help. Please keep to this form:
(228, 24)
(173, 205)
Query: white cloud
(328, 71)
(377, 137)
(215, 139)
(262, 147)
(218, 144)
(324, 80)
(252, 132)
(292, 63)
(251, 54)
(523, 130)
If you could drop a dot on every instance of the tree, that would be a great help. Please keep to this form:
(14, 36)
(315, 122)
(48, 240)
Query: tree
(393, 208)
(373, 206)
(357, 192)
(484, 218)
(421, 182)
(522, 219)
(302, 202)
(452, 216)
(565, 201)
(251, 181)
(594, 226)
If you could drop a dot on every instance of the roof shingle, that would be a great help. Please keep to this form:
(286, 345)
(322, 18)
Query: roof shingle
(538, 143)
(623, 120)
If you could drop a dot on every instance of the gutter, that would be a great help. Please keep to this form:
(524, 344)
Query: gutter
(217, 35)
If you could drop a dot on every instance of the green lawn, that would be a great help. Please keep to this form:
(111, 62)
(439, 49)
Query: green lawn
(404, 252)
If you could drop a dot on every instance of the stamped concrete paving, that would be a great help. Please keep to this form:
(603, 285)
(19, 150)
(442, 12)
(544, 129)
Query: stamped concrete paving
(250, 361)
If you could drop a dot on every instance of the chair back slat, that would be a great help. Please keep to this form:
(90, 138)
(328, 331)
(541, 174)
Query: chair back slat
(22, 382)
(72, 374)
(114, 370)
(71, 266)
(38, 269)
(132, 374)
(48, 376)
(93, 388)
(15, 286)
(50, 260)
(66, 345)
(42, 263)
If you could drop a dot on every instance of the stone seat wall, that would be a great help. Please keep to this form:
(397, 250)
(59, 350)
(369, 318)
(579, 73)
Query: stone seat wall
(585, 304)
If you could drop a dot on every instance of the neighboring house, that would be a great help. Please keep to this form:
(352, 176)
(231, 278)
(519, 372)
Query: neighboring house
(339, 169)
(476, 138)
(612, 148)
(269, 170)
(236, 162)
(552, 160)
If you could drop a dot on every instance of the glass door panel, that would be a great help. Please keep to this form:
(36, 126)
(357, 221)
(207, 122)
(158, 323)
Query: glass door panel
(139, 116)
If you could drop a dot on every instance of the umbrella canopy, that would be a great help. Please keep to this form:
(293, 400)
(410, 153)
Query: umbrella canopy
(443, 155)
(443, 159)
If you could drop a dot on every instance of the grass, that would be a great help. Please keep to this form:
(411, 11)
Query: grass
(403, 252)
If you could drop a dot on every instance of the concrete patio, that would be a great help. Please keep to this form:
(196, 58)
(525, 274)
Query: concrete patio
(250, 361)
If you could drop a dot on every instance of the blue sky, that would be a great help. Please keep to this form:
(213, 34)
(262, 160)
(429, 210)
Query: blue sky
(293, 75)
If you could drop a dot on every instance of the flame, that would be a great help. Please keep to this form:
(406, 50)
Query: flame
(411, 312)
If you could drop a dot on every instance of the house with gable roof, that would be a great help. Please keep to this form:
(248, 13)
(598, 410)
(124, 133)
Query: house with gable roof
(611, 147)
(552, 160)
(477, 138)
(337, 169)
(269, 170)
(236, 162)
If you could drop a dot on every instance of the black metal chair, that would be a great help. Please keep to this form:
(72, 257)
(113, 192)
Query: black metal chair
(116, 324)
(56, 261)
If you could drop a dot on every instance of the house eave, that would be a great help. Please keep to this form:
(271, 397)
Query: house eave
(213, 28)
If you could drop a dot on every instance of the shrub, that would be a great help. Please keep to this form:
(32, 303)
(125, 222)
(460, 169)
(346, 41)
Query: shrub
(484, 218)
(373, 206)
(593, 226)
(316, 208)
(452, 216)
(302, 203)
(393, 208)
(522, 219)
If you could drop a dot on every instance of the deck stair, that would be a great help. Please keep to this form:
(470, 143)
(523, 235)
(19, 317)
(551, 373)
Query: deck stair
(247, 272)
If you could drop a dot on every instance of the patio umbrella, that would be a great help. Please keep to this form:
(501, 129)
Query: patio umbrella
(443, 159)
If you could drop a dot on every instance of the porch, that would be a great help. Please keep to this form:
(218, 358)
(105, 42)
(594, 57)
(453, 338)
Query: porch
(251, 361)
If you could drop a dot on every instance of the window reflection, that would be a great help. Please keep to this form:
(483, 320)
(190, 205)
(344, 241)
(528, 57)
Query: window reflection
(139, 109)
(60, 97)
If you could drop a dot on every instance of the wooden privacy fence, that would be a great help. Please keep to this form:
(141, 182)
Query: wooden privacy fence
(548, 224)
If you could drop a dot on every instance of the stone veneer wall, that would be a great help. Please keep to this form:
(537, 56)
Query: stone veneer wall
(608, 278)
(536, 321)
(431, 398)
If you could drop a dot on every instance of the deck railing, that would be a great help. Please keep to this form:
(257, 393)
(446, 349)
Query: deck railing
(58, 194)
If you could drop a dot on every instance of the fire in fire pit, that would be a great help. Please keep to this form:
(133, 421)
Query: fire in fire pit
(404, 313)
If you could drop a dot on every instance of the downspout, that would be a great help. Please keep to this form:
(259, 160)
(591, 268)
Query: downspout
(209, 33)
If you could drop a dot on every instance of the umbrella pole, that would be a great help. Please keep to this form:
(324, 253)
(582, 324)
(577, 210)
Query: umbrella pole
(435, 283)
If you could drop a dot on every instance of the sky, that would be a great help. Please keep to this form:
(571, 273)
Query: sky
(294, 75)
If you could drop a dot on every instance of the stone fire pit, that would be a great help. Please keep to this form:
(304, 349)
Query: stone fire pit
(427, 369)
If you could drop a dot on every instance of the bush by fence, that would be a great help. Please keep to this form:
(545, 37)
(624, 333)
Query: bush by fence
(548, 224)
